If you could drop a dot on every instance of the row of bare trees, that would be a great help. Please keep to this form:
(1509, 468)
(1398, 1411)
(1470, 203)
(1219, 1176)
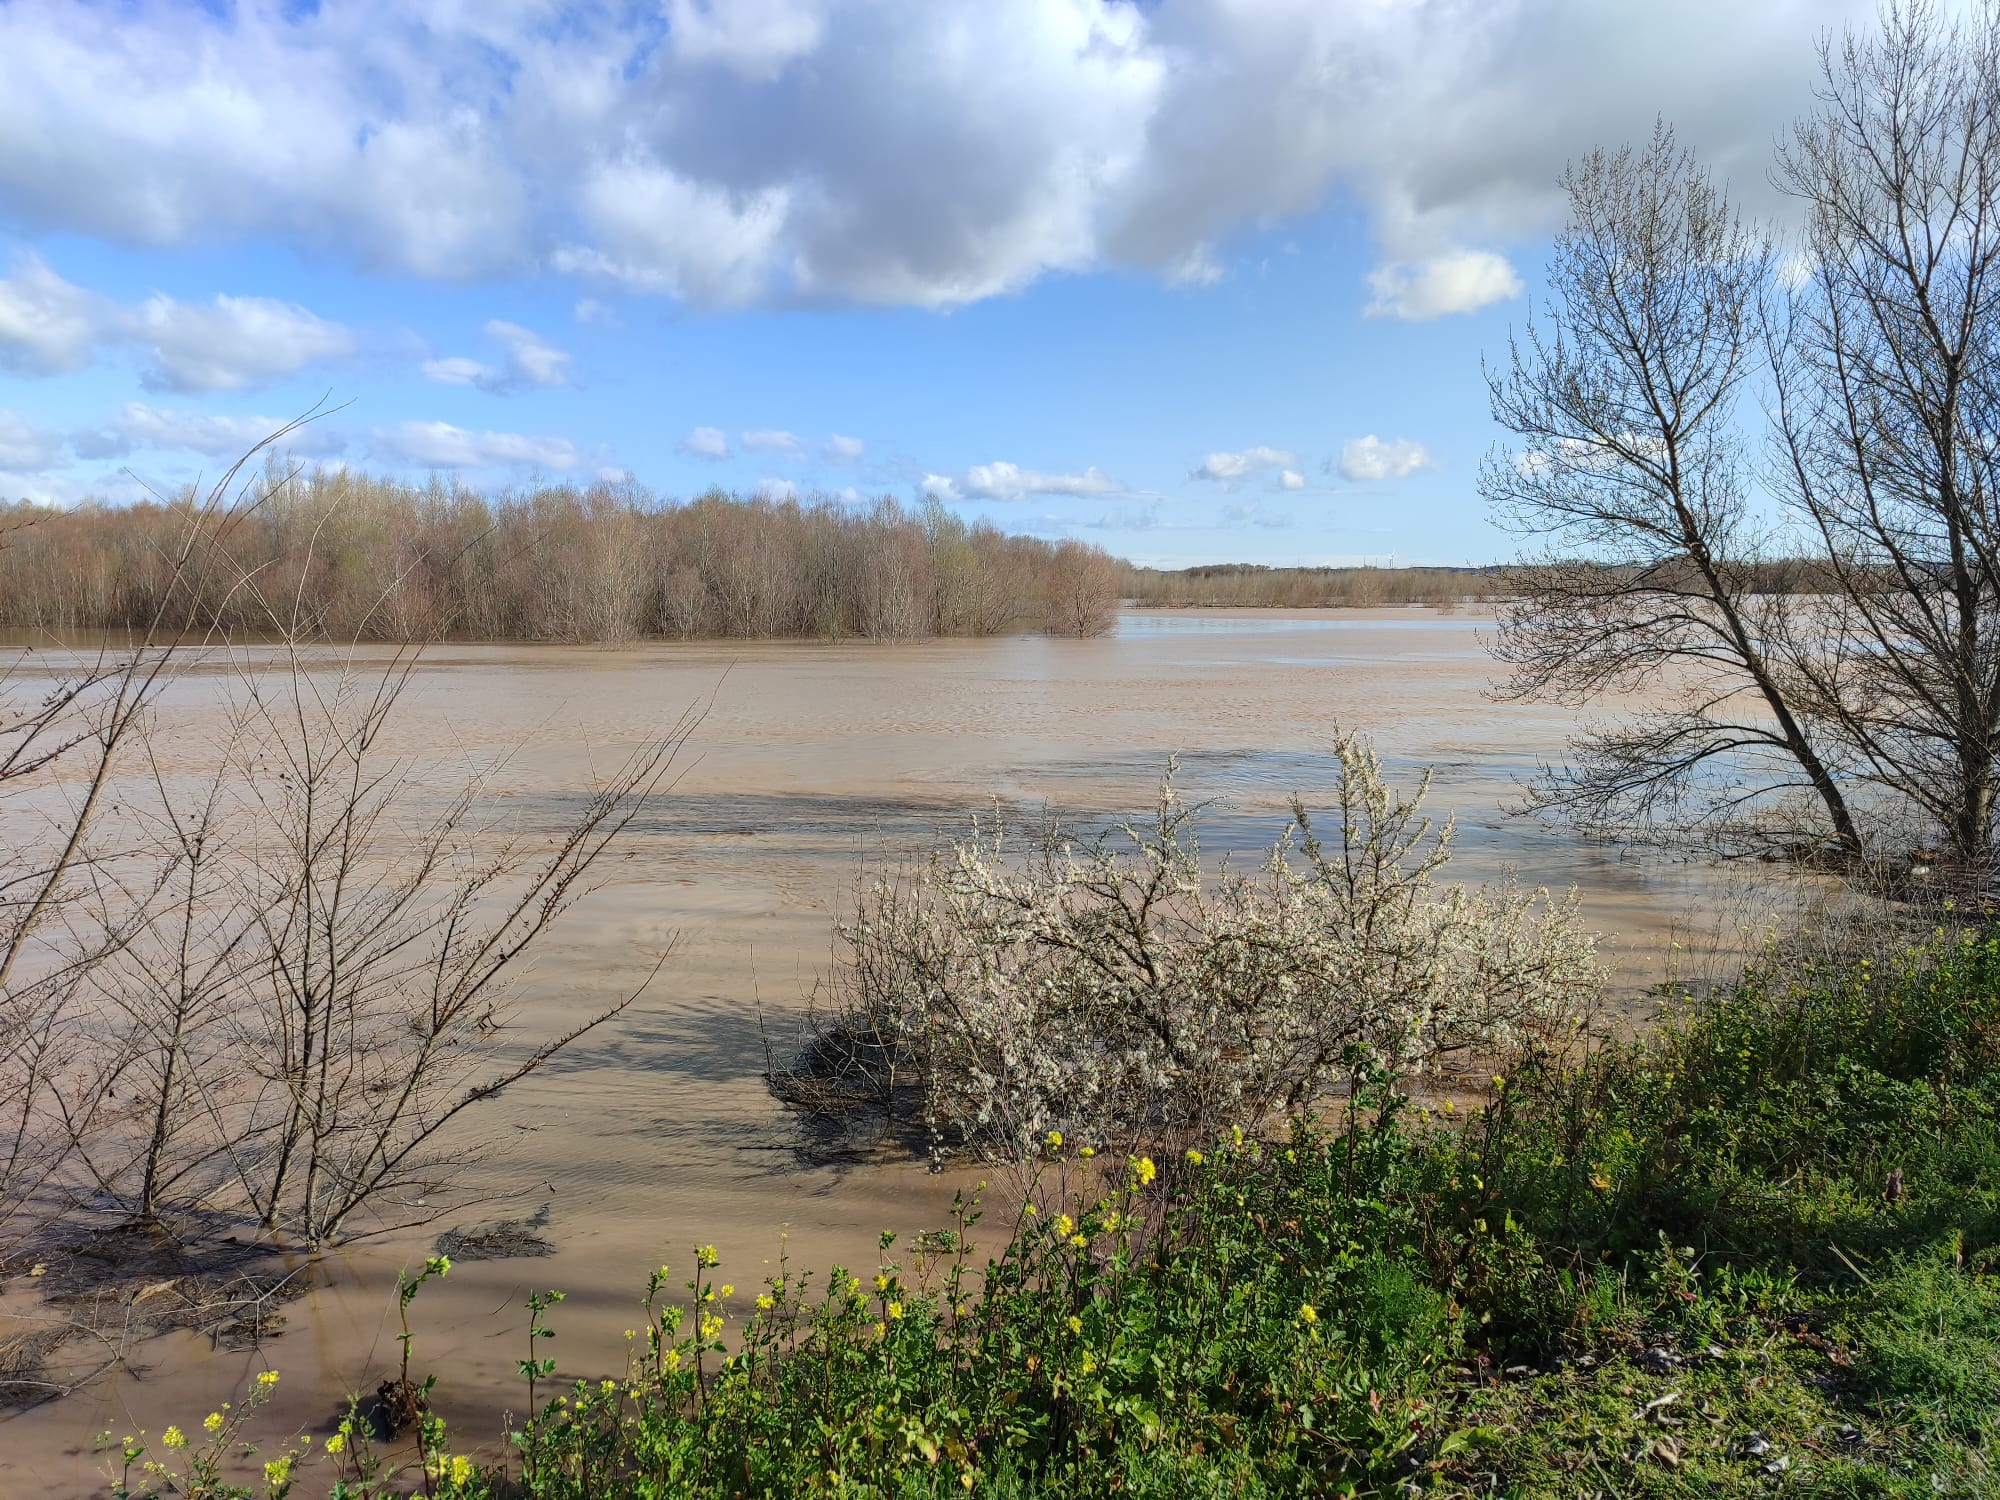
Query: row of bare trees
(1247, 585)
(1703, 396)
(366, 558)
(259, 983)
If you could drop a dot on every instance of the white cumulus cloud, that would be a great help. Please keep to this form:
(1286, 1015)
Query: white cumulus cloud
(1370, 458)
(1291, 479)
(1005, 481)
(1457, 281)
(902, 151)
(139, 426)
(1242, 463)
(845, 450)
(47, 326)
(772, 440)
(231, 343)
(530, 360)
(776, 489)
(705, 442)
(26, 448)
(939, 487)
(439, 445)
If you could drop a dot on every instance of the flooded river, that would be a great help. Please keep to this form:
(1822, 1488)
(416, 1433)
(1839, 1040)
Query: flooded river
(811, 762)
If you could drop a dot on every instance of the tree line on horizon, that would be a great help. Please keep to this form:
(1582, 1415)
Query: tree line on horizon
(355, 557)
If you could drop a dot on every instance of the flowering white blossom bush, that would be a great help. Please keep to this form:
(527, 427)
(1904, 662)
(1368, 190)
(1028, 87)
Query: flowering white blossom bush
(1122, 988)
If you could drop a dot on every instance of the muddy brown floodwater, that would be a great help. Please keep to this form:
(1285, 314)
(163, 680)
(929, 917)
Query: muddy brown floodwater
(656, 1133)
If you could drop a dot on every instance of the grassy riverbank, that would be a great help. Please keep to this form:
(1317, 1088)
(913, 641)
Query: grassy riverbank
(1755, 1252)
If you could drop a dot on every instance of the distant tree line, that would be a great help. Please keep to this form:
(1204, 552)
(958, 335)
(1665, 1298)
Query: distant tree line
(346, 555)
(1250, 586)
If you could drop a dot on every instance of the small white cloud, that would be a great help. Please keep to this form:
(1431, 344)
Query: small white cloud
(138, 426)
(939, 487)
(531, 361)
(1291, 479)
(590, 310)
(772, 440)
(439, 445)
(1458, 281)
(845, 450)
(26, 448)
(776, 489)
(1196, 268)
(1370, 458)
(47, 326)
(231, 343)
(1005, 481)
(705, 442)
(459, 371)
(1242, 463)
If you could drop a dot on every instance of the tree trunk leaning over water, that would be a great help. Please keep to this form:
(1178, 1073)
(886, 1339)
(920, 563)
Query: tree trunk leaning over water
(1885, 357)
(1859, 714)
(1631, 478)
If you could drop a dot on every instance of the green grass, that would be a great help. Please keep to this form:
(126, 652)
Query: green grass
(1751, 1253)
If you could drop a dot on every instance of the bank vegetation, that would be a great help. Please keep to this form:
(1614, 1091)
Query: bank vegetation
(361, 558)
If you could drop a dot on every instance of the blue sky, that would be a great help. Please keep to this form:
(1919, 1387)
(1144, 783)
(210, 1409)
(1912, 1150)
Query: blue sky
(1199, 280)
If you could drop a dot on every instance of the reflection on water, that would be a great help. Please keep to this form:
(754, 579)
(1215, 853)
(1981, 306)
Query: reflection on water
(813, 764)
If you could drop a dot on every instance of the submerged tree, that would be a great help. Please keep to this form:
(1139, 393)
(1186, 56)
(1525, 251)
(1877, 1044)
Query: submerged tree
(1858, 704)
(1632, 478)
(1886, 364)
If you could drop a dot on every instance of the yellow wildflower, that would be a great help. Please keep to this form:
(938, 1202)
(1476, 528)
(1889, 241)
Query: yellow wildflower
(212, 1422)
(881, 1283)
(461, 1469)
(1086, 1153)
(706, 1256)
(1065, 1225)
(267, 1378)
(1144, 1170)
(278, 1470)
(765, 1303)
(728, 1290)
(895, 1312)
(1075, 1324)
(336, 1444)
(173, 1437)
(1195, 1157)
(1055, 1140)
(1308, 1314)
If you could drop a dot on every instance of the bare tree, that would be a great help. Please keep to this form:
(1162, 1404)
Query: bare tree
(1886, 368)
(1082, 590)
(66, 907)
(1631, 477)
(384, 944)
